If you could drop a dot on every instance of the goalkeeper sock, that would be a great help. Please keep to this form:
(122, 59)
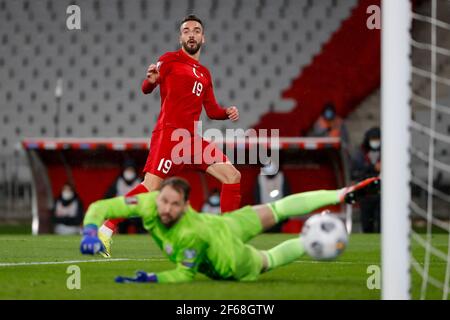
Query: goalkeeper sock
(303, 203)
(286, 252)
(230, 197)
(110, 226)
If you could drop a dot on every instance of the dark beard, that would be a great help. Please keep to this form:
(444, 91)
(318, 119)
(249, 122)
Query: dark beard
(191, 50)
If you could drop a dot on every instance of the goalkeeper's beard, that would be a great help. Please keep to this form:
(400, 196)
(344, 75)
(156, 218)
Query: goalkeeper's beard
(167, 220)
(191, 50)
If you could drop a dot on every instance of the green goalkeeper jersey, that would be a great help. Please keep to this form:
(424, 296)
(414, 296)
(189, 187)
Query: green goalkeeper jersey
(196, 243)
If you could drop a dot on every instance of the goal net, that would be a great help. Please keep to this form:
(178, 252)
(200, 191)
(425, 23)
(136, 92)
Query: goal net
(416, 155)
(430, 149)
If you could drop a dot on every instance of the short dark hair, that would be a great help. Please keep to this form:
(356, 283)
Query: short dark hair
(179, 184)
(192, 17)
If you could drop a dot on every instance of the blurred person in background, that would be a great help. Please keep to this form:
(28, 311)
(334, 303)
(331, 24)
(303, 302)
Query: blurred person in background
(329, 124)
(127, 180)
(271, 185)
(366, 163)
(67, 213)
(212, 204)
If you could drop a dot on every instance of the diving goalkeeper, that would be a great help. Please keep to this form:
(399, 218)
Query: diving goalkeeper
(212, 245)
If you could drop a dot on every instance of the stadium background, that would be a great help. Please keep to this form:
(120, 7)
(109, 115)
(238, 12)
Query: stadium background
(278, 61)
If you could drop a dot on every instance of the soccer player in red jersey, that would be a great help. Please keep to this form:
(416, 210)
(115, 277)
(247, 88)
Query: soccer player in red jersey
(185, 86)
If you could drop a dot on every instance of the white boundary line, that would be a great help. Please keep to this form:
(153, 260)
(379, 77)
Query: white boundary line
(16, 264)
(38, 263)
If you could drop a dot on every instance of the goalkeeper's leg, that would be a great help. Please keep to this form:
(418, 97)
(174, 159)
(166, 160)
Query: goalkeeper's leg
(248, 222)
(303, 203)
(299, 204)
(251, 262)
(285, 253)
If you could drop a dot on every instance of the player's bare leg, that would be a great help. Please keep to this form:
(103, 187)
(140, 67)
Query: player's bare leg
(230, 177)
(152, 182)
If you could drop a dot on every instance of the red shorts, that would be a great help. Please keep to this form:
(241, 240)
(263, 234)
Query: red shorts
(169, 153)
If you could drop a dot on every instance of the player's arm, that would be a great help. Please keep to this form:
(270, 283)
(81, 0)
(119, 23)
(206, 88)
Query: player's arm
(118, 207)
(152, 79)
(180, 274)
(187, 260)
(216, 112)
(177, 275)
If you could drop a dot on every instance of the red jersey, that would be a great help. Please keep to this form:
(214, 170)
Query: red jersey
(185, 85)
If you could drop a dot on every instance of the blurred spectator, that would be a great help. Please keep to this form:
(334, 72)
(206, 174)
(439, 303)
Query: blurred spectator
(271, 185)
(67, 213)
(366, 163)
(125, 182)
(330, 124)
(212, 204)
(367, 159)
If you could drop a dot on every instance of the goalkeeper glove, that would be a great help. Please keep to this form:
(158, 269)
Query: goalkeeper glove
(141, 276)
(91, 244)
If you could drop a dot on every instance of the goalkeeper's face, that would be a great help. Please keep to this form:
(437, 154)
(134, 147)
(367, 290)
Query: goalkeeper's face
(191, 36)
(171, 205)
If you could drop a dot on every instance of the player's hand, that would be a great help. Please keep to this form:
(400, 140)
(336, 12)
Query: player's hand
(233, 113)
(378, 166)
(90, 244)
(141, 276)
(152, 73)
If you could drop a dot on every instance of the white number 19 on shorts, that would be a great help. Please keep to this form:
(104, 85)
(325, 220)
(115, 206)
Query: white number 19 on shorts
(164, 165)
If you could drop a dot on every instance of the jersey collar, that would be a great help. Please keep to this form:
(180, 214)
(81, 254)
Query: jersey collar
(188, 59)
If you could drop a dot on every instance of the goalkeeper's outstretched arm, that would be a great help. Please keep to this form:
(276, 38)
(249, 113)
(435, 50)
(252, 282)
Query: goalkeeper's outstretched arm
(118, 207)
(178, 275)
(102, 210)
(189, 253)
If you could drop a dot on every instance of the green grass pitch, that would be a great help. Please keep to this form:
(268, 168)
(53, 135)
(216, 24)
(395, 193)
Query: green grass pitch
(35, 267)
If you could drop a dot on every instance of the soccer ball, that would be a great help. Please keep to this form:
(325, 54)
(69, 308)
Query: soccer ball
(324, 236)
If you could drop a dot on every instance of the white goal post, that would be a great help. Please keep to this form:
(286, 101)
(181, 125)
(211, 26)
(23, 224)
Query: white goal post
(395, 118)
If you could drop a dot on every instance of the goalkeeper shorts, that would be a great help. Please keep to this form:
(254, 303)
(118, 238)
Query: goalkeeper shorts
(245, 224)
